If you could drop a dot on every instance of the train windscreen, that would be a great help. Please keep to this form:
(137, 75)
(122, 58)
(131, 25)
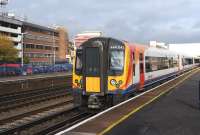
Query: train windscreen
(116, 62)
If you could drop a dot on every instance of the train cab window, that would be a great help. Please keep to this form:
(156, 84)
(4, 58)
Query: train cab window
(79, 64)
(116, 62)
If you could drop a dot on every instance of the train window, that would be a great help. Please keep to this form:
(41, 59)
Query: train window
(78, 65)
(163, 63)
(183, 61)
(148, 64)
(175, 62)
(92, 61)
(157, 63)
(116, 62)
(170, 62)
(196, 60)
(188, 61)
(154, 63)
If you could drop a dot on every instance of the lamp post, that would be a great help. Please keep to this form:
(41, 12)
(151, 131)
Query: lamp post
(54, 51)
(22, 45)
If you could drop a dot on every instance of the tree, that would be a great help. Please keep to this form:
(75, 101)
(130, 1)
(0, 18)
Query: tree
(26, 60)
(8, 53)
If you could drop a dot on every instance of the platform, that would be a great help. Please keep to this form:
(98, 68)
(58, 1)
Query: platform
(170, 109)
(29, 77)
(176, 113)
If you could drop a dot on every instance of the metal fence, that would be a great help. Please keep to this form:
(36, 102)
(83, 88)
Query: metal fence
(17, 70)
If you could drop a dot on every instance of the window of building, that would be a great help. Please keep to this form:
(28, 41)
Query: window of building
(39, 47)
(14, 35)
(32, 46)
(48, 48)
(13, 26)
(15, 44)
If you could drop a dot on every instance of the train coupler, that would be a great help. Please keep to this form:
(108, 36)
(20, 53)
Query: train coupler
(94, 102)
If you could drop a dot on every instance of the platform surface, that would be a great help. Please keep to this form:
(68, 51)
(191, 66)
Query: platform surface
(176, 113)
(16, 78)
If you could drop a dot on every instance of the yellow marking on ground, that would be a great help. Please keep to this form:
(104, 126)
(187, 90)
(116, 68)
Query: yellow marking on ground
(142, 106)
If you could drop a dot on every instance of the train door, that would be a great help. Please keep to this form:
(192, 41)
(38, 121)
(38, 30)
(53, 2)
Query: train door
(92, 70)
(136, 73)
(141, 68)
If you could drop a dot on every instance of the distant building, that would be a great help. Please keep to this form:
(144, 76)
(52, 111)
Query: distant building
(192, 49)
(82, 37)
(41, 45)
(71, 51)
(158, 44)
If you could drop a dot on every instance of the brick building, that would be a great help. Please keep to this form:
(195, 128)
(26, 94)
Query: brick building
(41, 45)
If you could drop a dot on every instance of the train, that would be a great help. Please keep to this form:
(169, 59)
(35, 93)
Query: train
(107, 71)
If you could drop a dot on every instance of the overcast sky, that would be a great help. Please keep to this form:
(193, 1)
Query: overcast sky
(171, 21)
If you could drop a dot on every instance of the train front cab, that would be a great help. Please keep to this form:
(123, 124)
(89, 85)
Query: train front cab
(102, 72)
(88, 73)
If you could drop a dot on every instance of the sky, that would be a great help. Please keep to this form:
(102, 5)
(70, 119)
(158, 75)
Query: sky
(169, 21)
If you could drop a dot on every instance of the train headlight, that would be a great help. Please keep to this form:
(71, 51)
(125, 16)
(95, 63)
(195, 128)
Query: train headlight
(113, 82)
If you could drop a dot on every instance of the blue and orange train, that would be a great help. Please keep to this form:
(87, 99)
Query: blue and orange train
(107, 71)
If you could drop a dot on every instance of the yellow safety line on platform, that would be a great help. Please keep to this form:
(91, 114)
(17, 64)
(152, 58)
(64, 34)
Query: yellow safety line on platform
(137, 109)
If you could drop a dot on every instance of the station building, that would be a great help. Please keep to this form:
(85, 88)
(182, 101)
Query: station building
(42, 45)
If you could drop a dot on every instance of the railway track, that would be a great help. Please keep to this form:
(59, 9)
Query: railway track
(11, 102)
(25, 93)
(51, 119)
(46, 122)
(22, 107)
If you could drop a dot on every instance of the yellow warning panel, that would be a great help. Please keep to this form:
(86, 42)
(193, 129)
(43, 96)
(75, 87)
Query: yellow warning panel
(93, 84)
